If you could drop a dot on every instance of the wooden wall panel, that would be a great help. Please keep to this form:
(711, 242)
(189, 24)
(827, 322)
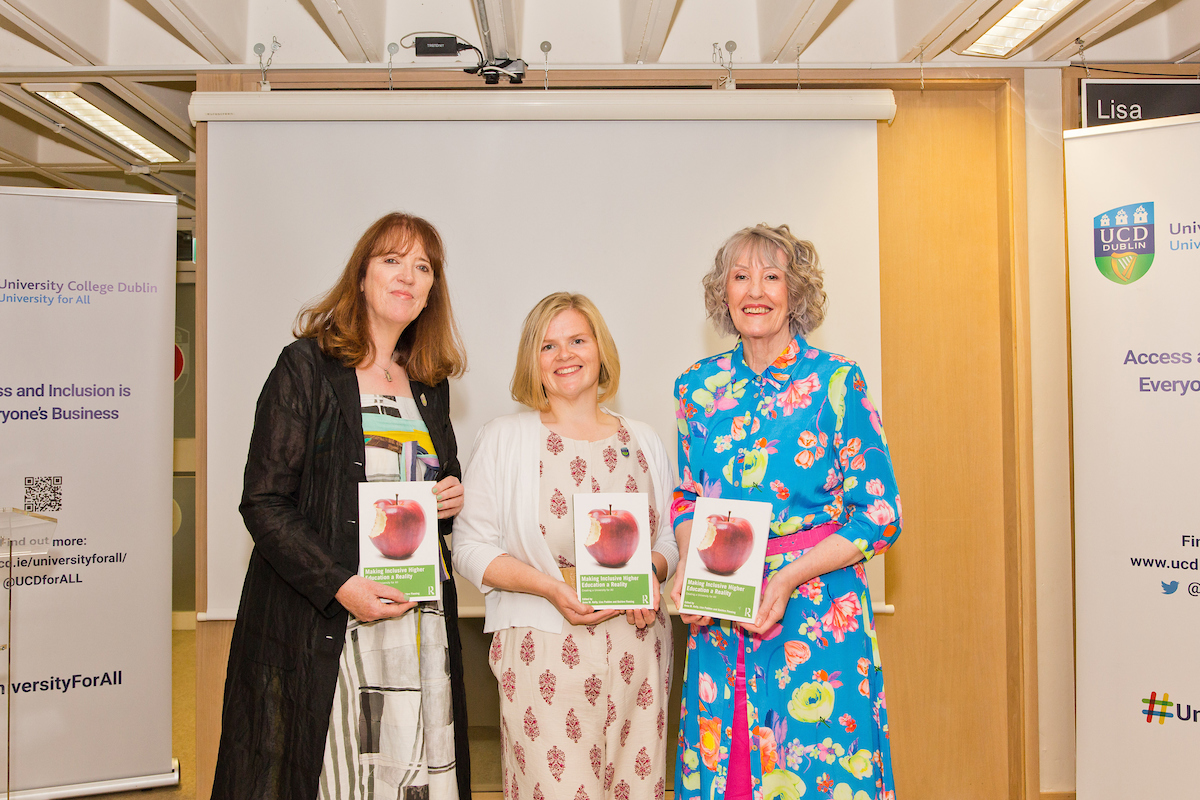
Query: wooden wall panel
(212, 653)
(945, 649)
(212, 638)
(1017, 385)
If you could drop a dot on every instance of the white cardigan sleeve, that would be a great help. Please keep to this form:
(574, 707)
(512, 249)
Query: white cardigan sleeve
(477, 537)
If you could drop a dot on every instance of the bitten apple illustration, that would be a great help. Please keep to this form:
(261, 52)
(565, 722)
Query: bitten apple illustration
(399, 527)
(727, 543)
(613, 536)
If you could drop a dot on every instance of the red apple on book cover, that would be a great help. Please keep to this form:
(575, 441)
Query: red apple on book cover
(613, 537)
(399, 527)
(727, 543)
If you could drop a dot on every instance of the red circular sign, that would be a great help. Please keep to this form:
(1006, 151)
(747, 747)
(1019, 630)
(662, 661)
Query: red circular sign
(178, 362)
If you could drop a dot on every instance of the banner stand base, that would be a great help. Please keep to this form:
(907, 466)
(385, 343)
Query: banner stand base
(102, 787)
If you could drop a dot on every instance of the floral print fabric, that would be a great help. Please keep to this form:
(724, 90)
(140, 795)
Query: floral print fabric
(570, 466)
(583, 712)
(804, 436)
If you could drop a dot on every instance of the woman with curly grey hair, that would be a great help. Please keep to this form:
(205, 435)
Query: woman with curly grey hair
(778, 420)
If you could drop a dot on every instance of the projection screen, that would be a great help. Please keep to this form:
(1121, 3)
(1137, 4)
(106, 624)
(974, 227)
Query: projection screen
(626, 209)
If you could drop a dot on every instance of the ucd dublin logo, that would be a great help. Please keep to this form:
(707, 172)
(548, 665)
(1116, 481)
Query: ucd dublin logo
(1125, 242)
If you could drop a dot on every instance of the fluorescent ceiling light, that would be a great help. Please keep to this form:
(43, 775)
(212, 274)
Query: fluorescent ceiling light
(94, 118)
(1011, 31)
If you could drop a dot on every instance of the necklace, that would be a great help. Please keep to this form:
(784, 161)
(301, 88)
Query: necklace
(386, 372)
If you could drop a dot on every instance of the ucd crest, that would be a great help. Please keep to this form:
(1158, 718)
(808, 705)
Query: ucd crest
(1124, 239)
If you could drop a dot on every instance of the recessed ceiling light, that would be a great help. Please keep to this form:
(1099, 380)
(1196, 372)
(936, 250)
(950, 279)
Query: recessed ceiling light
(1010, 32)
(102, 122)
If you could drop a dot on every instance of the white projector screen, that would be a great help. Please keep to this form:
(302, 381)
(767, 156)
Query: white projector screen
(628, 212)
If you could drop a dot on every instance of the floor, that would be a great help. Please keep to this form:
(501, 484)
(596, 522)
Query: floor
(485, 762)
(485, 741)
(183, 722)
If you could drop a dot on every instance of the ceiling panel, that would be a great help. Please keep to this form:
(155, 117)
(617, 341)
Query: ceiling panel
(187, 34)
(1183, 30)
(1142, 38)
(84, 27)
(699, 23)
(19, 49)
(863, 27)
(581, 33)
(298, 28)
(139, 35)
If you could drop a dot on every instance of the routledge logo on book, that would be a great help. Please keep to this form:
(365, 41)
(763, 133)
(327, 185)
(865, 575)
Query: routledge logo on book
(1124, 240)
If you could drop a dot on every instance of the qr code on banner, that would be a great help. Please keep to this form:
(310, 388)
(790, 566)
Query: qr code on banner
(43, 494)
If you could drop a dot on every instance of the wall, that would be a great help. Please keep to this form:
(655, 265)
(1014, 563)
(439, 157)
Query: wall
(1051, 429)
(960, 653)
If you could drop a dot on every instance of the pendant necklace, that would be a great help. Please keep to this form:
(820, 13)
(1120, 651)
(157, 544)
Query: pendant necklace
(386, 373)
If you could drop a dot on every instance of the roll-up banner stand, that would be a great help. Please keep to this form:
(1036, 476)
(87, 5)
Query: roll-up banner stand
(87, 304)
(1133, 220)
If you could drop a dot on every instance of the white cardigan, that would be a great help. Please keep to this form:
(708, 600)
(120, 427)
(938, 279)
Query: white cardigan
(500, 515)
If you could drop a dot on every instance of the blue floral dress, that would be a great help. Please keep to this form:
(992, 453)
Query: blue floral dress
(805, 436)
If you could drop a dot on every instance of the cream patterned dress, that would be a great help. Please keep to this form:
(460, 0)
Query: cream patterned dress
(583, 713)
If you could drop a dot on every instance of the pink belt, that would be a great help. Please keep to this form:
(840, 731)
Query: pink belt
(801, 540)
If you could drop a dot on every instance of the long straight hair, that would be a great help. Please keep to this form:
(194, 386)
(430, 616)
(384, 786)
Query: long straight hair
(430, 348)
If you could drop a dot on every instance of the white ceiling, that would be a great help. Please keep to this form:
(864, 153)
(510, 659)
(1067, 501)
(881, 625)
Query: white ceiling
(146, 52)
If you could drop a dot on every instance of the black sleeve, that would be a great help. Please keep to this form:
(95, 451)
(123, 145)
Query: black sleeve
(275, 468)
(449, 454)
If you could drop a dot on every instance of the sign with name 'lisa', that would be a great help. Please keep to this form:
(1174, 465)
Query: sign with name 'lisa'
(1107, 102)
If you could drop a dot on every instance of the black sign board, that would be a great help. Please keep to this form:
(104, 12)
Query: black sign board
(1110, 101)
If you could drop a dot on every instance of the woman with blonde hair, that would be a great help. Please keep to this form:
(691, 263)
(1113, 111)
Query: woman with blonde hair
(582, 705)
(337, 687)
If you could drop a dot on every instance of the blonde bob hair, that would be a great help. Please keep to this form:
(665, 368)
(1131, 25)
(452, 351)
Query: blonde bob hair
(430, 348)
(526, 384)
(773, 247)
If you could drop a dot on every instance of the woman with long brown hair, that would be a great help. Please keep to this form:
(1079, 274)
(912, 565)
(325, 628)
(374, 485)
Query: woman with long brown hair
(337, 687)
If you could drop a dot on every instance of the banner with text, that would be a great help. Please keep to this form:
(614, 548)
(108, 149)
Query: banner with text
(1133, 220)
(87, 307)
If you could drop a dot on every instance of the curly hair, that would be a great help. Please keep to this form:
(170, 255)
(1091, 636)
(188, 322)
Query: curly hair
(775, 247)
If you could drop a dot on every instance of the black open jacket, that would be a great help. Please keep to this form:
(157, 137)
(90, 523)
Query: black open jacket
(300, 505)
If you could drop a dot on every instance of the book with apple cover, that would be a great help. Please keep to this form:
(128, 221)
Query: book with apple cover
(726, 554)
(398, 537)
(612, 549)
